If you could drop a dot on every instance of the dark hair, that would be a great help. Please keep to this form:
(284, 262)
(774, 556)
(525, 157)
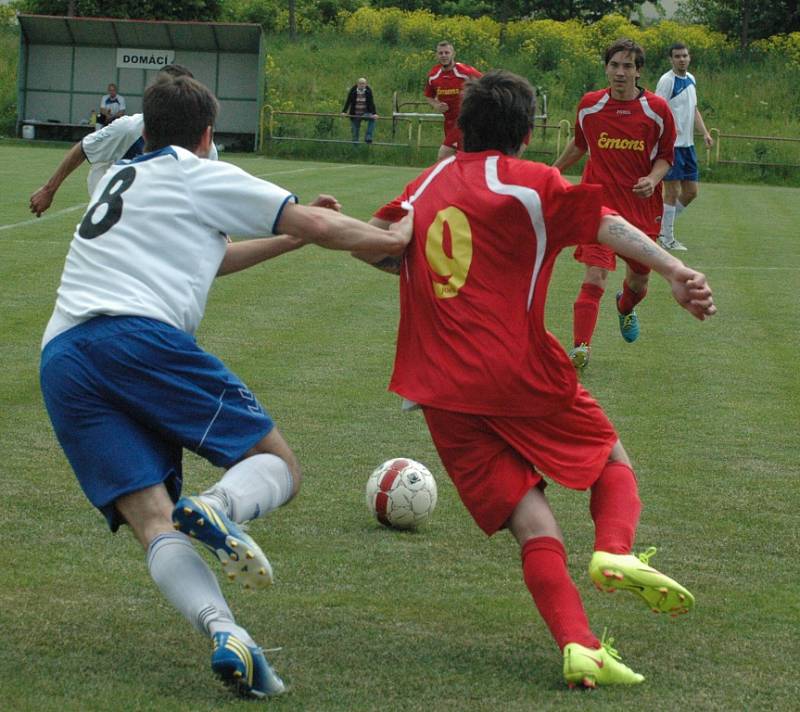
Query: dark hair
(497, 112)
(177, 110)
(176, 70)
(629, 47)
(677, 45)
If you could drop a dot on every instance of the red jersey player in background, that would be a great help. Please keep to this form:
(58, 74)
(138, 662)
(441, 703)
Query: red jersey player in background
(501, 400)
(443, 89)
(629, 134)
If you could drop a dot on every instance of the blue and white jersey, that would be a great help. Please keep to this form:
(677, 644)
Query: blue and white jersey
(154, 236)
(681, 93)
(120, 139)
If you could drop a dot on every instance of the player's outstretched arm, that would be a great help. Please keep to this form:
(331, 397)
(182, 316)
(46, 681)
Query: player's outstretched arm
(335, 231)
(385, 263)
(569, 156)
(42, 198)
(248, 253)
(689, 287)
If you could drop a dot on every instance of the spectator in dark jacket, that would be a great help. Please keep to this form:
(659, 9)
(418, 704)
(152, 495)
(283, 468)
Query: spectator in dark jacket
(359, 105)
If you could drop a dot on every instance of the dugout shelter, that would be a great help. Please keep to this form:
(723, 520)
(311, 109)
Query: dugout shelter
(67, 63)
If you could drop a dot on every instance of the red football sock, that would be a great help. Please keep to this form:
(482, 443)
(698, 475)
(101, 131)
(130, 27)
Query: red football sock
(585, 311)
(544, 567)
(615, 508)
(629, 299)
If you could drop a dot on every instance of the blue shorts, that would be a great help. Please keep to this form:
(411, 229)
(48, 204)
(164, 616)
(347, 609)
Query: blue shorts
(126, 394)
(685, 165)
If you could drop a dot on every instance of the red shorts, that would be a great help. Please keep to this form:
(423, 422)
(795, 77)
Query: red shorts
(597, 255)
(453, 136)
(494, 461)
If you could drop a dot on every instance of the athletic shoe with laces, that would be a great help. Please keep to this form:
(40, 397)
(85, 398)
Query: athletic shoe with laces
(244, 667)
(626, 572)
(589, 667)
(580, 356)
(628, 323)
(672, 244)
(241, 558)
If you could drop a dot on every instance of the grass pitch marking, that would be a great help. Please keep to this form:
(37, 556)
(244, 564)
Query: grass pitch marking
(49, 216)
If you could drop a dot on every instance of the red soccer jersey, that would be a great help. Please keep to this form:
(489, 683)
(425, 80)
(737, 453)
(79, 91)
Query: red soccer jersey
(624, 139)
(447, 85)
(487, 230)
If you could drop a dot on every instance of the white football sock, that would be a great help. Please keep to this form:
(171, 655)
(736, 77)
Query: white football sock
(256, 485)
(679, 208)
(668, 223)
(188, 584)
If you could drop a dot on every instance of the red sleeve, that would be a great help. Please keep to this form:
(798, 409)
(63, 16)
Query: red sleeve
(580, 139)
(392, 211)
(572, 213)
(475, 72)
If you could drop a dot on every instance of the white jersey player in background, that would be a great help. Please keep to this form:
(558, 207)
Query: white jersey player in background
(679, 88)
(126, 386)
(119, 140)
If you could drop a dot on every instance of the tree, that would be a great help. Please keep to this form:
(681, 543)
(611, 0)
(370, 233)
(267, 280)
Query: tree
(203, 10)
(744, 20)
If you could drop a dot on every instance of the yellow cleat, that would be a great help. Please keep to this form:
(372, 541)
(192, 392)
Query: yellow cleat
(589, 667)
(627, 572)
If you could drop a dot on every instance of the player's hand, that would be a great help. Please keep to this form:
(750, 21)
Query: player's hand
(644, 187)
(404, 229)
(41, 200)
(441, 107)
(708, 141)
(326, 201)
(690, 289)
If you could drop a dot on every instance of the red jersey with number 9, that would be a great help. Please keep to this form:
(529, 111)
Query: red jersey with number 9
(473, 284)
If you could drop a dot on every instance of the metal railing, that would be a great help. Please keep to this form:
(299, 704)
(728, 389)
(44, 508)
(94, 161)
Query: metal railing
(408, 130)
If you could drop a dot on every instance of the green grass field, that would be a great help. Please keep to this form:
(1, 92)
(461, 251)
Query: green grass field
(370, 619)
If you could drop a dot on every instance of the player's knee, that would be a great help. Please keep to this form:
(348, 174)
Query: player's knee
(618, 454)
(596, 276)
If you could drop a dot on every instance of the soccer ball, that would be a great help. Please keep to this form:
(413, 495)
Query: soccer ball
(401, 493)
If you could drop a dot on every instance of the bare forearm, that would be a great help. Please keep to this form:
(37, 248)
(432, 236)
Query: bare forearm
(659, 170)
(247, 253)
(335, 231)
(569, 157)
(74, 158)
(42, 198)
(626, 240)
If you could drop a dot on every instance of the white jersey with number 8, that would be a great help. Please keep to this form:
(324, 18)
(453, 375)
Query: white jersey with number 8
(152, 241)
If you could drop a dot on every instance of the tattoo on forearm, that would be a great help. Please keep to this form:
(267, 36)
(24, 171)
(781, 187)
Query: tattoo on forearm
(625, 233)
(389, 264)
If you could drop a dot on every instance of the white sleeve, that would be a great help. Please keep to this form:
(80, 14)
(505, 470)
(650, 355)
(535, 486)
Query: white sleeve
(121, 102)
(664, 86)
(110, 143)
(232, 201)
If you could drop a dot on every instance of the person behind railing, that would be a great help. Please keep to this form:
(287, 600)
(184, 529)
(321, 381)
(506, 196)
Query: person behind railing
(360, 105)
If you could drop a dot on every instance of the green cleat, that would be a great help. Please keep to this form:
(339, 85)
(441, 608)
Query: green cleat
(580, 356)
(628, 323)
(589, 667)
(627, 572)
